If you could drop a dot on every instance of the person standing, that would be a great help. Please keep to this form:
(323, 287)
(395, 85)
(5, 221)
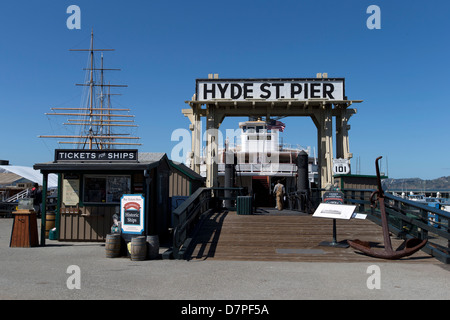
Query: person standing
(36, 195)
(279, 192)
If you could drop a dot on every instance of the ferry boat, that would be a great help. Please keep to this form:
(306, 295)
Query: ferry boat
(261, 160)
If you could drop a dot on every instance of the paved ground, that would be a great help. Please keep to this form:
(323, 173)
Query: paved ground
(41, 273)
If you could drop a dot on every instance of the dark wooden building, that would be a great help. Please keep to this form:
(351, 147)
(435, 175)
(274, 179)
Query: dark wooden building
(183, 180)
(91, 184)
(355, 181)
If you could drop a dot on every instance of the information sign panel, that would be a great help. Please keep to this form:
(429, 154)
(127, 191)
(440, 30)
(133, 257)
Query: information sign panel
(334, 211)
(132, 213)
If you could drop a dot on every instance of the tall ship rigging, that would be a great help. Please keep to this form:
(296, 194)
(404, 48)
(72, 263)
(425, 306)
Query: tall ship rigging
(98, 122)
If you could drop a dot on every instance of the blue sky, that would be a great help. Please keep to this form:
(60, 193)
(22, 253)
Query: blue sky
(401, 71)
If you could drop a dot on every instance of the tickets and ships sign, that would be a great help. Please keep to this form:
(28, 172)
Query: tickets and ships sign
(270, 89)
(83, 155)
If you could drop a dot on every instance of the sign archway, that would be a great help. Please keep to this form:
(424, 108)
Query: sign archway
(319, 98)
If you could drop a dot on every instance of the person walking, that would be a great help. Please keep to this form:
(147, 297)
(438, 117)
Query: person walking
(279, 192)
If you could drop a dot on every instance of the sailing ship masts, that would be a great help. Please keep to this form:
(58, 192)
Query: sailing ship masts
(109, 112)
(95, 109)
(91, 115)
(93, 121)
(103, 124)
(118, 134)
(91, 85)
(101, 85)
(89, 136)
(101, 94)
(106, 69)
(114, 143)
(91, 49)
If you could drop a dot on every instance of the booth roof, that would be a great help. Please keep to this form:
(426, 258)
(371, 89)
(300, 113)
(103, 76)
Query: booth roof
(186, 170)
(146, 161)
(150, 157)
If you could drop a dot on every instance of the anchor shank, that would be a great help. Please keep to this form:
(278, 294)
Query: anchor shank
(385, 227)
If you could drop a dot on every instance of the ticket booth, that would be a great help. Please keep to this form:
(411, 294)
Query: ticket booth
(92, 185)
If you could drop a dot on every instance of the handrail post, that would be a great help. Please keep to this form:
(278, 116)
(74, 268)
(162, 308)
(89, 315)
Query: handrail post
(363, 206)
(424, 232)
(448, 231)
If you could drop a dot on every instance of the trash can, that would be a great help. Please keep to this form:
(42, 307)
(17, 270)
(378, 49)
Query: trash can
(244, 205)
(24, 232)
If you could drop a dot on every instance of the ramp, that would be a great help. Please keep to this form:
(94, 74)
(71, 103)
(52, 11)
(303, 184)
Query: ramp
(284, 237)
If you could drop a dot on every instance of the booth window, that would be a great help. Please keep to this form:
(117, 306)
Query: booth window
(105, 188)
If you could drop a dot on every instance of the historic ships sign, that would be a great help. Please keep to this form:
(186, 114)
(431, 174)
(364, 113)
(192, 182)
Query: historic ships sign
(132, 213)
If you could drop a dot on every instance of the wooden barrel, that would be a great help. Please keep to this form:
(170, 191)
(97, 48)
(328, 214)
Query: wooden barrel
(152, 247)
(112, 245)
(138, 250)
(50, 218)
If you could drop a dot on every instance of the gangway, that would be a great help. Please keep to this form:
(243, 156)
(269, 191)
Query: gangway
(223, 234)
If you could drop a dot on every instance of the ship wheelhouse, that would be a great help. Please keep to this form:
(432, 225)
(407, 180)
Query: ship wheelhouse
(260, 159)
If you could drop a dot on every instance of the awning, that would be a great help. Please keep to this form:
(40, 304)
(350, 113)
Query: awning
(33, 175)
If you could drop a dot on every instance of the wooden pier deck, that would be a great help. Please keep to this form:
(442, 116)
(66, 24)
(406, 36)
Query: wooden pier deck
(284, 236)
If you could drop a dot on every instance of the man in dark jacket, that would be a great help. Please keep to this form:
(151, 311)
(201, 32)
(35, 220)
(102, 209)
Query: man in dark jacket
(36, 195)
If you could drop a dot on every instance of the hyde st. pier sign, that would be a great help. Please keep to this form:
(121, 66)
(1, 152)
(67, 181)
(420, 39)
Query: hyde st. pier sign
(270, 89)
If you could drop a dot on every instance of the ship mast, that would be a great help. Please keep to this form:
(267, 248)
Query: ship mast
(96, 122)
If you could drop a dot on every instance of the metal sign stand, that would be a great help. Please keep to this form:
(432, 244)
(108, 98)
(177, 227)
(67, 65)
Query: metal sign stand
(334, 243)
(333, 207)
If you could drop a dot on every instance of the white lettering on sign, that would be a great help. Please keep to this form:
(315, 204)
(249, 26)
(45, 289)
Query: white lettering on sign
(100, 155)
(301, 90)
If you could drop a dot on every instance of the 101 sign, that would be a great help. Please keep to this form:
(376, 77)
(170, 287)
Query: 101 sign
(341, 166)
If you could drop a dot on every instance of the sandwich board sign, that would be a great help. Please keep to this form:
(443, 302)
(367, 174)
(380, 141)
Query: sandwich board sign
(335, 197)
(132, 213)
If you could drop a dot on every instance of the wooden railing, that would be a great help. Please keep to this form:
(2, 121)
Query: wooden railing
(408, 219)
(184, 220)
(186, 216)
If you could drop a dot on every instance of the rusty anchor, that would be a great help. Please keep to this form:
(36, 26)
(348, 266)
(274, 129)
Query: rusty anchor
(408, 248)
